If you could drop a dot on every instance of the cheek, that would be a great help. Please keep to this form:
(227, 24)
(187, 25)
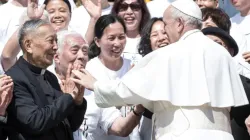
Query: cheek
(66, 17)
(138, 16)
(121, 15)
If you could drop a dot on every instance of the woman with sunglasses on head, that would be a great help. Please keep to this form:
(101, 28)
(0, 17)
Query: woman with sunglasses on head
(153, 37)
(135, 15)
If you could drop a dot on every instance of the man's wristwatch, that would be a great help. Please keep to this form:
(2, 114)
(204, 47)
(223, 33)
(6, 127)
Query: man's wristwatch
(137, 114)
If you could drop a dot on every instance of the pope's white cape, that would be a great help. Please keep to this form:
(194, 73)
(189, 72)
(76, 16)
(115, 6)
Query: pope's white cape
(191, 72)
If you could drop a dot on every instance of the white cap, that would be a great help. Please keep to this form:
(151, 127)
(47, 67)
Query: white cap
(188, 7)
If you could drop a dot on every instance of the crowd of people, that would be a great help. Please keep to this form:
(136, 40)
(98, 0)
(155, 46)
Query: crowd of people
(125, 70)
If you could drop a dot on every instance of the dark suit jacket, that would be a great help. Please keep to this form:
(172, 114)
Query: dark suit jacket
(239, 114)
(30, 113)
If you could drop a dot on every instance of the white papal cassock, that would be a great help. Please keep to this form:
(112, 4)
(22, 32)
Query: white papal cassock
(189, 85)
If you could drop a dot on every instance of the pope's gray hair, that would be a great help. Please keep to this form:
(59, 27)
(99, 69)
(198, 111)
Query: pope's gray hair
(62, 38)
(29, 27)
(189, 20)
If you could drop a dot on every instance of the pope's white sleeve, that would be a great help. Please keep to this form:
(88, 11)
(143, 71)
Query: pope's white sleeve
(108, 117)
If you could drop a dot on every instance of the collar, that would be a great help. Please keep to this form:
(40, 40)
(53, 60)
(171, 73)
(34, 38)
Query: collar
(33, 68)
(189, 33)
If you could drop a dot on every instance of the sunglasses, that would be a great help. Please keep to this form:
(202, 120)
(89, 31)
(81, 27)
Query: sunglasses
(133, 6)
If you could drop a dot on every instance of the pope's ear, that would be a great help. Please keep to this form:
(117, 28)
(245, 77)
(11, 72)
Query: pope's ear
(180, 25)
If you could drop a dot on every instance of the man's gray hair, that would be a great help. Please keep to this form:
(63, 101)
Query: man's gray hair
(29, 27)
(61, 38)
(189, 20)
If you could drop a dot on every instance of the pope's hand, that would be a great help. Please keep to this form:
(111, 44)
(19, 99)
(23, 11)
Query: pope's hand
(247, 123)
(84, 78)
(246, 56)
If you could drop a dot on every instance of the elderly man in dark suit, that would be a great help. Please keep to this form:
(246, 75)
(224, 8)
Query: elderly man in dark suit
(39, 109)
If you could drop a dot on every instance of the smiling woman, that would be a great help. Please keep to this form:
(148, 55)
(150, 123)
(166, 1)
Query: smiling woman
(59, 13)
(153, 36)
(135, 14)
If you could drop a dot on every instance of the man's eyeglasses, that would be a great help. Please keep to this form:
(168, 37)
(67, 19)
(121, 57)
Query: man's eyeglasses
(133, 6)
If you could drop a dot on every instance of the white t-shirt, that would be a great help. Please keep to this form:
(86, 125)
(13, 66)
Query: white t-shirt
(98, 120)
(10, 15)
(131, 50)
(80, 19)
(240, 31)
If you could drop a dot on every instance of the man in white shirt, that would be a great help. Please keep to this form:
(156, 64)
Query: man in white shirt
(240, 31)
(189, 85)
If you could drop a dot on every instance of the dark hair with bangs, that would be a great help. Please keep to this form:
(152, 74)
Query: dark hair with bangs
(219, 17)
(145, 43)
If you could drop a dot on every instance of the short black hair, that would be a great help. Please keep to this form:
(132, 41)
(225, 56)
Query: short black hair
(219, 17)
(66, 1)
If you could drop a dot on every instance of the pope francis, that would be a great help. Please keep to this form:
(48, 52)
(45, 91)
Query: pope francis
(189, 85)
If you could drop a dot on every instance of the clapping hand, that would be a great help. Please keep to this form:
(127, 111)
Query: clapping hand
(33, 11)
(94, 11)
(247, 123)
(6, 93)
(70, 87)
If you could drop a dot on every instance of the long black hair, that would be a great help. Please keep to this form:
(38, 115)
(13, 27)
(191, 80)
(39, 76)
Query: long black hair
(100, 26)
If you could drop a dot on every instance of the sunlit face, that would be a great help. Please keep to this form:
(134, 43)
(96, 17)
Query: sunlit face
(221, 42)
(208, 23)
(171, 26)
(74, 50)
(130, 12)
(207, 3)
(112, 42)
(42, 46)
(158, 36)
(241, 5)
(59, 14)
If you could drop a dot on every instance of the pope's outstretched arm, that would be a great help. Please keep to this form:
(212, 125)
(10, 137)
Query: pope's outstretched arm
(109, 93)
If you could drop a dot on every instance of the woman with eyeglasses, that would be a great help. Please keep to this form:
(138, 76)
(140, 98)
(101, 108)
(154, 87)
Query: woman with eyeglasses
(135, 14)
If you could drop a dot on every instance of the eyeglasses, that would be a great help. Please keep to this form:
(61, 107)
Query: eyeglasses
(133, 6)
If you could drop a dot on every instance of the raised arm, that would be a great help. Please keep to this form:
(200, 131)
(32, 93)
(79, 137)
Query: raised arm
(95, 12)
(12, 48)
